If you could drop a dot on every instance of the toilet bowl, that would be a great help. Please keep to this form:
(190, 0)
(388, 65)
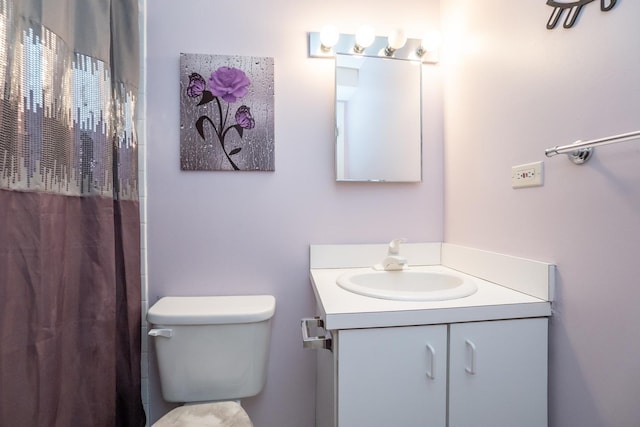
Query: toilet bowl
(212, 351)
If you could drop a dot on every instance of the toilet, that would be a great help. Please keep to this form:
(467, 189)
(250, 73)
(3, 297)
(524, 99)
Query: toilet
(212, 351)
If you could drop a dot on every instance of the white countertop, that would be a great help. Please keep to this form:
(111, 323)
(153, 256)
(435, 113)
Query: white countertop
(342, 309)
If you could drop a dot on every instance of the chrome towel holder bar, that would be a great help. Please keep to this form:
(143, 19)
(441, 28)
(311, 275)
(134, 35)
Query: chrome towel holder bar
(581, 151)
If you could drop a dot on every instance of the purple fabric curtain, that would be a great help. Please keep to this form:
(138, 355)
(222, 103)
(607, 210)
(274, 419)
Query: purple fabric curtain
(70, 294)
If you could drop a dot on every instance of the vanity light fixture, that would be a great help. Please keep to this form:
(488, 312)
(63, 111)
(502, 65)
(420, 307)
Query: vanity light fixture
(329, 42)
(365, 36)
(329, 36)
(396, 40)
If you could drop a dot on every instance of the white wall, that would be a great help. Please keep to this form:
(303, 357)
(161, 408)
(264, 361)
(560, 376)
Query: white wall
(515, 89)
(248, 232)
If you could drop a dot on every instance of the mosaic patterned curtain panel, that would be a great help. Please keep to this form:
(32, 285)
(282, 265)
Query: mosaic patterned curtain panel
(66, 125)
(70, 298)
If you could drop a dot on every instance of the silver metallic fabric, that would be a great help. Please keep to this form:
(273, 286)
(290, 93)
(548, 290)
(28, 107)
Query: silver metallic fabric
(66, 125)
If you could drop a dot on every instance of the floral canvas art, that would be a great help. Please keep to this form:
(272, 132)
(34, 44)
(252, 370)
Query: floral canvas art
(226, 113)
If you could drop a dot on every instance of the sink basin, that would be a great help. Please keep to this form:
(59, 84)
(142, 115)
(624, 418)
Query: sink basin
(407, 285)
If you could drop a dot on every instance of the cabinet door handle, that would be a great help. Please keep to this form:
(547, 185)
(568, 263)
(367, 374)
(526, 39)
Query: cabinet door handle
(471, 352)
(431, 362)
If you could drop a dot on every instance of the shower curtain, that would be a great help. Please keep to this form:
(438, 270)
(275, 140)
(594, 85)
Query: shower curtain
(70, 300)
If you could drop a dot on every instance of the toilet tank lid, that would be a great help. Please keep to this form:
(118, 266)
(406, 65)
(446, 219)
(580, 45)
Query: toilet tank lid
(211, 310)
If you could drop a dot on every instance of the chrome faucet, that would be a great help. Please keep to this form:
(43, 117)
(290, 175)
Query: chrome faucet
(393, 261)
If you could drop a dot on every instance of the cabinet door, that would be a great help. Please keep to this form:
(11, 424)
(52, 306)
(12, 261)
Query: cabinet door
(498, 374)
(392, 377)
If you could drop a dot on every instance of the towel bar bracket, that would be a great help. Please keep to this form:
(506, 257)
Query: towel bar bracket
(581, 155)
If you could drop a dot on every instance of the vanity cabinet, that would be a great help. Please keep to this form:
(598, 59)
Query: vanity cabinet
(475, 374)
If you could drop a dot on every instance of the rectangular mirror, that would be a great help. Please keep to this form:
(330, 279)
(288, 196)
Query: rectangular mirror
(378, 119)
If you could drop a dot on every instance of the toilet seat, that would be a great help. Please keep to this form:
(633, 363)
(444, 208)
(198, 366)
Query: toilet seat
(218, 414)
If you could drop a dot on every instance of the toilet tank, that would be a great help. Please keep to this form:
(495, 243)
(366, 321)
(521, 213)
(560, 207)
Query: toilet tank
(212, 348)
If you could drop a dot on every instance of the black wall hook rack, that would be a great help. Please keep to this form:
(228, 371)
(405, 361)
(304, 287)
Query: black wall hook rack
(574, 8)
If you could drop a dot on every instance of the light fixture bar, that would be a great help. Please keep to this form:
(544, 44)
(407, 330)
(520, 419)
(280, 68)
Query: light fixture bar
(346, 43)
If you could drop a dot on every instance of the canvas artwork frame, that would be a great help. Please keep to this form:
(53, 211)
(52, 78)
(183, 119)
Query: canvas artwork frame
(226, 113)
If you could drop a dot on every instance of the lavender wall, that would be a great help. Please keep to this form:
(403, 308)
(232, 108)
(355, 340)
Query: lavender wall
(241, 233)
(514, 88)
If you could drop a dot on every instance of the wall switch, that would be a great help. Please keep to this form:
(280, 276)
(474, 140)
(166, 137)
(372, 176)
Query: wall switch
(528, 175)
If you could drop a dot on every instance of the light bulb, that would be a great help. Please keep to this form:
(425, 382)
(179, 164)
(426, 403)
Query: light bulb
(396, 39)
(329, 37)
(430, 42)
(364, 37)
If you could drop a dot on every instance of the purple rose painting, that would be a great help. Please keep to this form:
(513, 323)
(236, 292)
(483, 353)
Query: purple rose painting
(226, 113)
